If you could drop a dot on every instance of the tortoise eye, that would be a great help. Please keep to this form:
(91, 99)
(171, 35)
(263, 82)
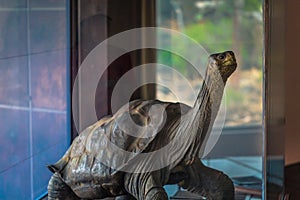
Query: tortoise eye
(221, 56)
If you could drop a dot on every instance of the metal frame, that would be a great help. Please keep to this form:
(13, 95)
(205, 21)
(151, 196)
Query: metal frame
(274, 98)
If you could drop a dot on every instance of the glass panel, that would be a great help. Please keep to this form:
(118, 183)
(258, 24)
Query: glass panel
(213, 26)
(217, 26)
(34, 109)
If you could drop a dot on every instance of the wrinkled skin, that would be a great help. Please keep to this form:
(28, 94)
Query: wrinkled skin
(82, 173)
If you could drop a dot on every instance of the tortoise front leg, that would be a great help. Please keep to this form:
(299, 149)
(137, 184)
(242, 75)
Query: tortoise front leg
(145, 186)
(208, 182)
(157, 194)
(59, 190)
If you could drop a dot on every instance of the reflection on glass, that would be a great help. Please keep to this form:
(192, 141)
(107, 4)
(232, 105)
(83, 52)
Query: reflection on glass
(33, 94)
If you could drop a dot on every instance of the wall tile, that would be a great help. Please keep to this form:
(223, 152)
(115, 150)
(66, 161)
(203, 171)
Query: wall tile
(15, 182)
(14, 82)
(47, 3)
(50, 140)
(13, 33)
(48, 129)
(14, 137)
(47, 31)
(13, 4)
(48, 80)
(41, 175)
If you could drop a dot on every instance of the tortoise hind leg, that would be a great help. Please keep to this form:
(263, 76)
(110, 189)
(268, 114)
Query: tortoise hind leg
(58, 189)
(145, 186)
(208, 182)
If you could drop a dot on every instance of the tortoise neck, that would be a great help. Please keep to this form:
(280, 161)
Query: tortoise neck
(209, 98)
(205, 110)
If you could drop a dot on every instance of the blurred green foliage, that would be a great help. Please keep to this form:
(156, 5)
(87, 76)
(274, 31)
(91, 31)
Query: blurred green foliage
(220, 25)
(209, 33)
(217, 25)
(233, 95)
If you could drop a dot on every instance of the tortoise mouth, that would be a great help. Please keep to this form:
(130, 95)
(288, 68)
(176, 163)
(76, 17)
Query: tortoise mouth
(231, 61)
(229, 69)
(232, 65)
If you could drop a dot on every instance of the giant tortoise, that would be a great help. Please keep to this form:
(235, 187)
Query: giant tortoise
(108, 160)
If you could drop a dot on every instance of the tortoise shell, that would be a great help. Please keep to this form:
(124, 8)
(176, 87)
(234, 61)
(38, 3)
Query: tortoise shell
(91, 165)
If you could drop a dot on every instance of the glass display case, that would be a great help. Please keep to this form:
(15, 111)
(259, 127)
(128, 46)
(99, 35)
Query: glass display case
(77, 61)
(245, 148)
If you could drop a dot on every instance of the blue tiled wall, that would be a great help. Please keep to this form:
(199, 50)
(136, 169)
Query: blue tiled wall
(33, 94)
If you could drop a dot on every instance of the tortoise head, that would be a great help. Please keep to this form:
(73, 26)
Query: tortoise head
(224, 63)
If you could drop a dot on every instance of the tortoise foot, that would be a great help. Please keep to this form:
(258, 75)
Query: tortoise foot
(58, 189)
(157, 194)
(208, 182)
